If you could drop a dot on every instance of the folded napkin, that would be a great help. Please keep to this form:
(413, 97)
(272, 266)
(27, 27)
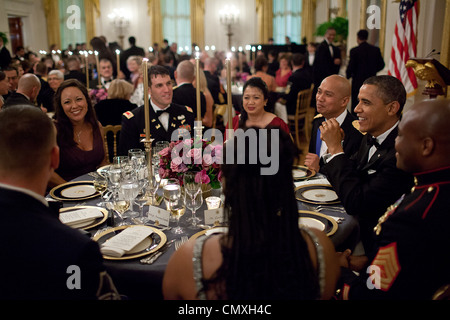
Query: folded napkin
(313, 181)
(76, 217)
(125, 241)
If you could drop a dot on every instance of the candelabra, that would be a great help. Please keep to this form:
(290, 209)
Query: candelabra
(121, 21)
(229, 16)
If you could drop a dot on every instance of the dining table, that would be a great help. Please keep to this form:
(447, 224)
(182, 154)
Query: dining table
(135, 280)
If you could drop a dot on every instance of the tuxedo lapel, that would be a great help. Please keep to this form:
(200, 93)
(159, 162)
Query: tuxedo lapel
(381, 152)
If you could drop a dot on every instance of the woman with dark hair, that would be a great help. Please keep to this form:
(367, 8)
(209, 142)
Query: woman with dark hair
(4, 87)
(79, 134)
(263, 254)
(261, 67)
(285, 71)
(255, 97)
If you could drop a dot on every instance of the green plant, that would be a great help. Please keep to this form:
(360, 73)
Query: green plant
(4, 38)
(339, 24)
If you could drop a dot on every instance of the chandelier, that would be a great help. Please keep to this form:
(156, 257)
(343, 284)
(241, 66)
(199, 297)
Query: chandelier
(229, 15)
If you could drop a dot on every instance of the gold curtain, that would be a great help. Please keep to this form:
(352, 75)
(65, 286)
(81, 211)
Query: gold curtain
(445, 47)
(264, 10)
(308, 19)
(92, 10)
(198, 22)
(51, 9)
(154, 11)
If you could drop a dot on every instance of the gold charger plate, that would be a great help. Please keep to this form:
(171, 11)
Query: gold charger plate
(331, 225)
(304, 173)
(201, 233)
(157, 235)
(93, 224)
(303, 193)
(84, 191)
(103, 170)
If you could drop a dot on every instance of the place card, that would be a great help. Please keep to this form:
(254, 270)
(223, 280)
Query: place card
(158, 215)
(78, 216)
(214, 216)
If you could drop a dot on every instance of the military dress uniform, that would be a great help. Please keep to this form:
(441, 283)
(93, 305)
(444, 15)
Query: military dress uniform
(411, 260)
(133, 126)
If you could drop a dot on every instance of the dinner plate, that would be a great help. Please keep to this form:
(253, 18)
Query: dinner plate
(86, 225)
(302, 173)
(141, 250)
(74, 191)
(210, 232)
(317, 220)
(316, 194)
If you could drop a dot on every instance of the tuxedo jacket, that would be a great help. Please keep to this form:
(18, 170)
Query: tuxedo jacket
(133, 126)
(186, 95)
(324, 63)
(367, 189)
(216, 89)
(45, 96)
(16, 98)
(300, 80)
(37, 250)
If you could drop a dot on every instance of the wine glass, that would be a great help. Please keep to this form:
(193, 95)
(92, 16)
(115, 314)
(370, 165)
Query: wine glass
(141, 200)
(172, 195)
(153, 185)
(120, 207)
(129, 190)
(159, 146)
(192, 188)
(193, 202)
(101, 185)
(115, 176)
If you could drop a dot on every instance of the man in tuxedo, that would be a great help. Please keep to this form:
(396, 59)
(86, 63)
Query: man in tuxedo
(185, 93)
(45, 96)
(26, 93)
(214, 85)
(12, 74)
(41, 257)
(300, 79)
(133, 50)
(166, 118)
(74, 67)
(332, 99)
(5, 55)
(365, 61)
(327, 61)
(106, 74)
(368, 181)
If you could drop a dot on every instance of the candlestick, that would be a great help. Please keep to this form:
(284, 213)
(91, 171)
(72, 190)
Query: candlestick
(197, 76)
(86, 62)
(118, 62)
(229, 102)
(147, 141)
(98, 70)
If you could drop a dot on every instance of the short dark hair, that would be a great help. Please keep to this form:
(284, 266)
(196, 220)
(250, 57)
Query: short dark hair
(2, 76)
(363, 34)
(157, 70)
(257, 82)
(260, 63)
(298, 59)
(25, 143)
(389, 89)
(132, 40)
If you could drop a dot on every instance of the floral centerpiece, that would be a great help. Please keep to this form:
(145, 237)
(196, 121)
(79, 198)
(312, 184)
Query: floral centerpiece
(199, 156)
(97, 95)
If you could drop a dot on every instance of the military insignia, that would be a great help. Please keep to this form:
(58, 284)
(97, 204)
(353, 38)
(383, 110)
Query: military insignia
(186, 126)
(181, 117)
(189, 109)
(173, 125)
(356, 126)
(389, 266)
(390, 210)
(157, 126)
(153, 120)
(128, 114)
(183, 121)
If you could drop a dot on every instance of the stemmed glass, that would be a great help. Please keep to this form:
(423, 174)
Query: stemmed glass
(129, 190)
(172, 196)
(192, 189)
(159, 146)
(153, 185)
(101, 185)
(114, 176)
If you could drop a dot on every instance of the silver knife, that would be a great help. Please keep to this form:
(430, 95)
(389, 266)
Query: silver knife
(150, 259)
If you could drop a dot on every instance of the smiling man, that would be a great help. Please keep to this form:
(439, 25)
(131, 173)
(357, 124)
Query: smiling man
(165, 116)
(368, 181)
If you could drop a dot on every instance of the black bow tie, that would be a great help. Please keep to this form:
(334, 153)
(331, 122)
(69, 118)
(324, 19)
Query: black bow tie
(107, 81)
(160, 112)
(371, 141)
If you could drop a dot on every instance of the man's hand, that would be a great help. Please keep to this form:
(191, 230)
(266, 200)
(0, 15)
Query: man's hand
(332, 134)
(312, 161)
(354, 263)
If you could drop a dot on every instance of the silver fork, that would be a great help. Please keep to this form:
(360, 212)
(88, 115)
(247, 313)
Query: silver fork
(180, 242)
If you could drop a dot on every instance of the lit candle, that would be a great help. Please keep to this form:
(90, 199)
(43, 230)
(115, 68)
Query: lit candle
(230, 105)
(240, 60)
(146, 104)
(118, 62)
(98, 70)
(86, 62)
(197, 76)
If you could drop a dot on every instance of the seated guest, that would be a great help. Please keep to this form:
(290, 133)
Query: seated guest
(284, 72)
(185, 93)
(264, 254)
(134, 66)
(12, 74)
(55, 78)
(4, 86)
(106, 72)
(261, 67)
(74, 67)
(45, 96)
(332, 99)
(255, 97)
(412, 236)
(214, 84)
(27, 91)
(80, 135)
(165, 117)
(29, 157)
(274, 65)
(110, 110)
(369, 181)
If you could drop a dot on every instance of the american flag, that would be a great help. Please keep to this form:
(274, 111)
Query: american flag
(404, 44)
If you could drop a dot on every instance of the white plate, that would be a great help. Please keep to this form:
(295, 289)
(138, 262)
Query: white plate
(311, 223)
(296, 173)
(322, 195)
(79, 191)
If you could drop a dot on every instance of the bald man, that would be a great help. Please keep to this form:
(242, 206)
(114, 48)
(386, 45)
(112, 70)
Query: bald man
(332, 98)
(26, 93)
(412, 236)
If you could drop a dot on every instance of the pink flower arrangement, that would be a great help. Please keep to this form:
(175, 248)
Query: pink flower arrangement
(188, 155)
(97, 95)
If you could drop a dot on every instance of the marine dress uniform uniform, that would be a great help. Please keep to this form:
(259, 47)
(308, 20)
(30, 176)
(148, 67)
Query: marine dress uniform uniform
(413, 243)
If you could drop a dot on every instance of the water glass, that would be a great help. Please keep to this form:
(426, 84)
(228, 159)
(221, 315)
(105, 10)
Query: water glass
(193, 202)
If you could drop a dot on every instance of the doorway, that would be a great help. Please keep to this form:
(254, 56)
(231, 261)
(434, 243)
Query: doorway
(16, 35)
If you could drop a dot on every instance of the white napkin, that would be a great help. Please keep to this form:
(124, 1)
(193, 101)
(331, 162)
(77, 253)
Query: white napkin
(76, 217)
(125, 241)
(314, 181)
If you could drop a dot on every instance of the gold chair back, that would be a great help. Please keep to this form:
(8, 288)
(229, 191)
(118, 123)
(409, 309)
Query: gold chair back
(107, 132)
(303, 114)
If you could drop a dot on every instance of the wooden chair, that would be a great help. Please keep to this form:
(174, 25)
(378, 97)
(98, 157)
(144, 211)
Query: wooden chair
(301, 121)
(110, 139)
